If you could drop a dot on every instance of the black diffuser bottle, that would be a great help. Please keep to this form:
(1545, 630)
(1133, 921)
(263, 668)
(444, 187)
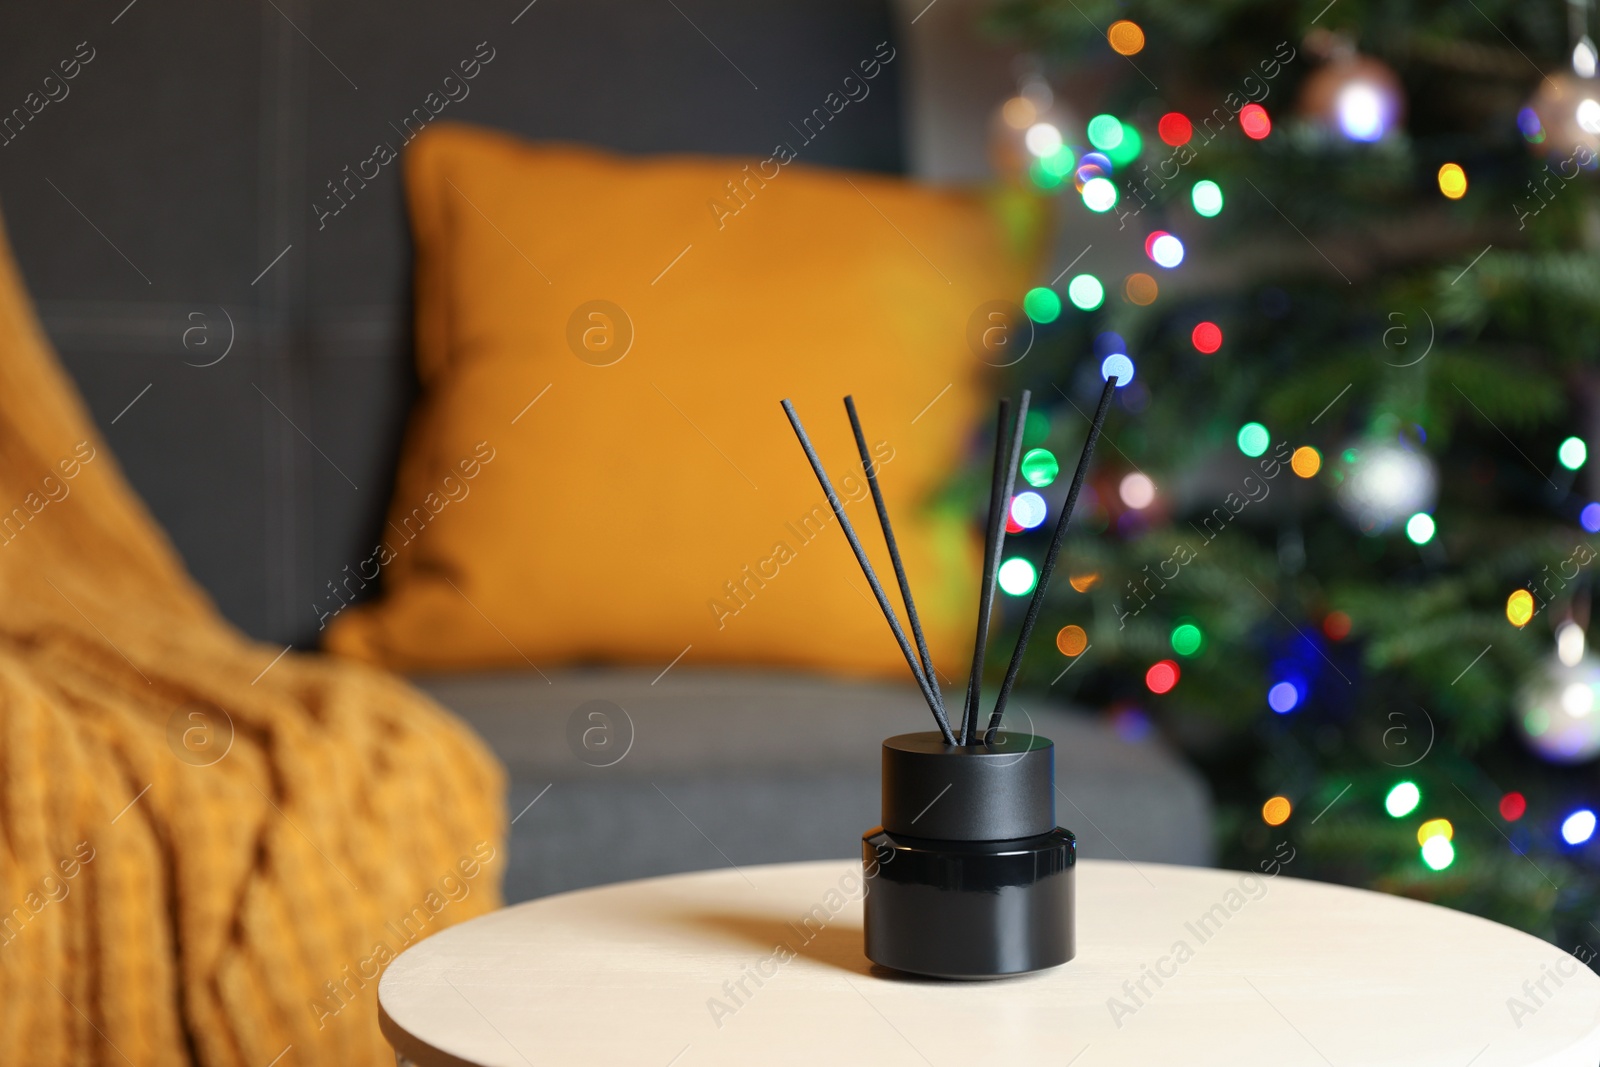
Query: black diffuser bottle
(969, 876)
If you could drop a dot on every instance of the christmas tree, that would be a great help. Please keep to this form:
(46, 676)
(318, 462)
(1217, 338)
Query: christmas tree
(1339, 541)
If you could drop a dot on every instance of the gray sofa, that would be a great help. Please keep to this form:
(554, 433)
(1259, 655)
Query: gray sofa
(629, 775)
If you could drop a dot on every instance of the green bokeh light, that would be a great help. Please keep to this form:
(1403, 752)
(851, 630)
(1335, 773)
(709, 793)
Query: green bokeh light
(1572, 453)
(1253, 439)
(1126, 152)
(1187, 639)
(1043, 177)
(1402, 800)
(1042, 304)
(1207, 198)
(1420, 528)
(1039, 467)
(1105, 132)
(1060, 163)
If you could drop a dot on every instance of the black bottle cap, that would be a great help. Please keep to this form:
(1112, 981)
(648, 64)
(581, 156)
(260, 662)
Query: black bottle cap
(974, 792)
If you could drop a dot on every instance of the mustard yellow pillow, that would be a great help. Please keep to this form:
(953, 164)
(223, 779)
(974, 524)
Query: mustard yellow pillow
(598, 468)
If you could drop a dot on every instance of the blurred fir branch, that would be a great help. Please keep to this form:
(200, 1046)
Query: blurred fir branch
(1465, 330)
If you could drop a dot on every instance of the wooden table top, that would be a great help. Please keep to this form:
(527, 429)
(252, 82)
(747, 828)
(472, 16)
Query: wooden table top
(1175, 965)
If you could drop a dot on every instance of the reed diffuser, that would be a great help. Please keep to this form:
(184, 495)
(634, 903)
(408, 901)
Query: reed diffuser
(969, 875)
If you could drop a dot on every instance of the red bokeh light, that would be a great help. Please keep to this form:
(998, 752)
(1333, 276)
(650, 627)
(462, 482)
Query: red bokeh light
(1150, 242)
(1012, 525)
(1161, 677)
(1255, 123)
(1336, 625)
(1174, 129)
(1513, 806)
(1207, 337)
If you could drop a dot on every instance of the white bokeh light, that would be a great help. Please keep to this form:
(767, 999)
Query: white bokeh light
(1042, 139)
(1137, 491)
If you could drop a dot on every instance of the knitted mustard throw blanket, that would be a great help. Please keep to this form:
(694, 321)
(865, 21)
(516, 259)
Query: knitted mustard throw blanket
(208, 850)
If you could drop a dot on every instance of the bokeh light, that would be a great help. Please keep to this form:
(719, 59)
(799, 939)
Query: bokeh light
(1141, 289)
(1060, 163)
(1071, 640)
(1117, 366)
(1513, 806)
(1042, 304)
(1130, 147)
(1044, 177)
(1084, 582)
(1206, 196)
(1519, 608)
(1254, 121)
(1453, 181)
(1306, 461)
(1161, 677)
(1283, 697)
(1402, 800)
(1017, 577)
(1019, 112)
(1438, 853)
(1126, 37)
(1336, 624)
(1099, 161)
(1028, 510)
(1572, 453)
(1276, 811)
(1086, 292)
(1589, 517)
(1137, 491)
(1435, 828)
(1150, 242)
(1175, 129)
(1578, 827)
(1099, 195)
(1253, 439)
(1364, 111)
(1206, 337)
(1105, 132)
(1167, 251)
(1039, 467)
(1042, 139)
(1187, 639)
(1420, 528)
(1528, 123)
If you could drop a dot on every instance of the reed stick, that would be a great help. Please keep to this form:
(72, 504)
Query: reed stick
(866, 569)
(870, 469)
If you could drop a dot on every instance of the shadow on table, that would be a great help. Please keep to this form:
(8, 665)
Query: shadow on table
(836, 945)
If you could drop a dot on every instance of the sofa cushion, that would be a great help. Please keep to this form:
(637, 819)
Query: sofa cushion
(598, 468)
(631, 774)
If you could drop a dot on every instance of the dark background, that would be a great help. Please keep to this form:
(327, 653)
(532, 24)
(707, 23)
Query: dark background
(187, 155)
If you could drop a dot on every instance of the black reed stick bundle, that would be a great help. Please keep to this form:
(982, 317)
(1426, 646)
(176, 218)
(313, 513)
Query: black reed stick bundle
(935, 703)
(1007, 454)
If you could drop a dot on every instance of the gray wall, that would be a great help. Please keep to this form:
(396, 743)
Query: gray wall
(145, 203)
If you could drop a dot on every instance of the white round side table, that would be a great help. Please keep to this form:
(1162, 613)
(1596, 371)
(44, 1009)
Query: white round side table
(1175, 965)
